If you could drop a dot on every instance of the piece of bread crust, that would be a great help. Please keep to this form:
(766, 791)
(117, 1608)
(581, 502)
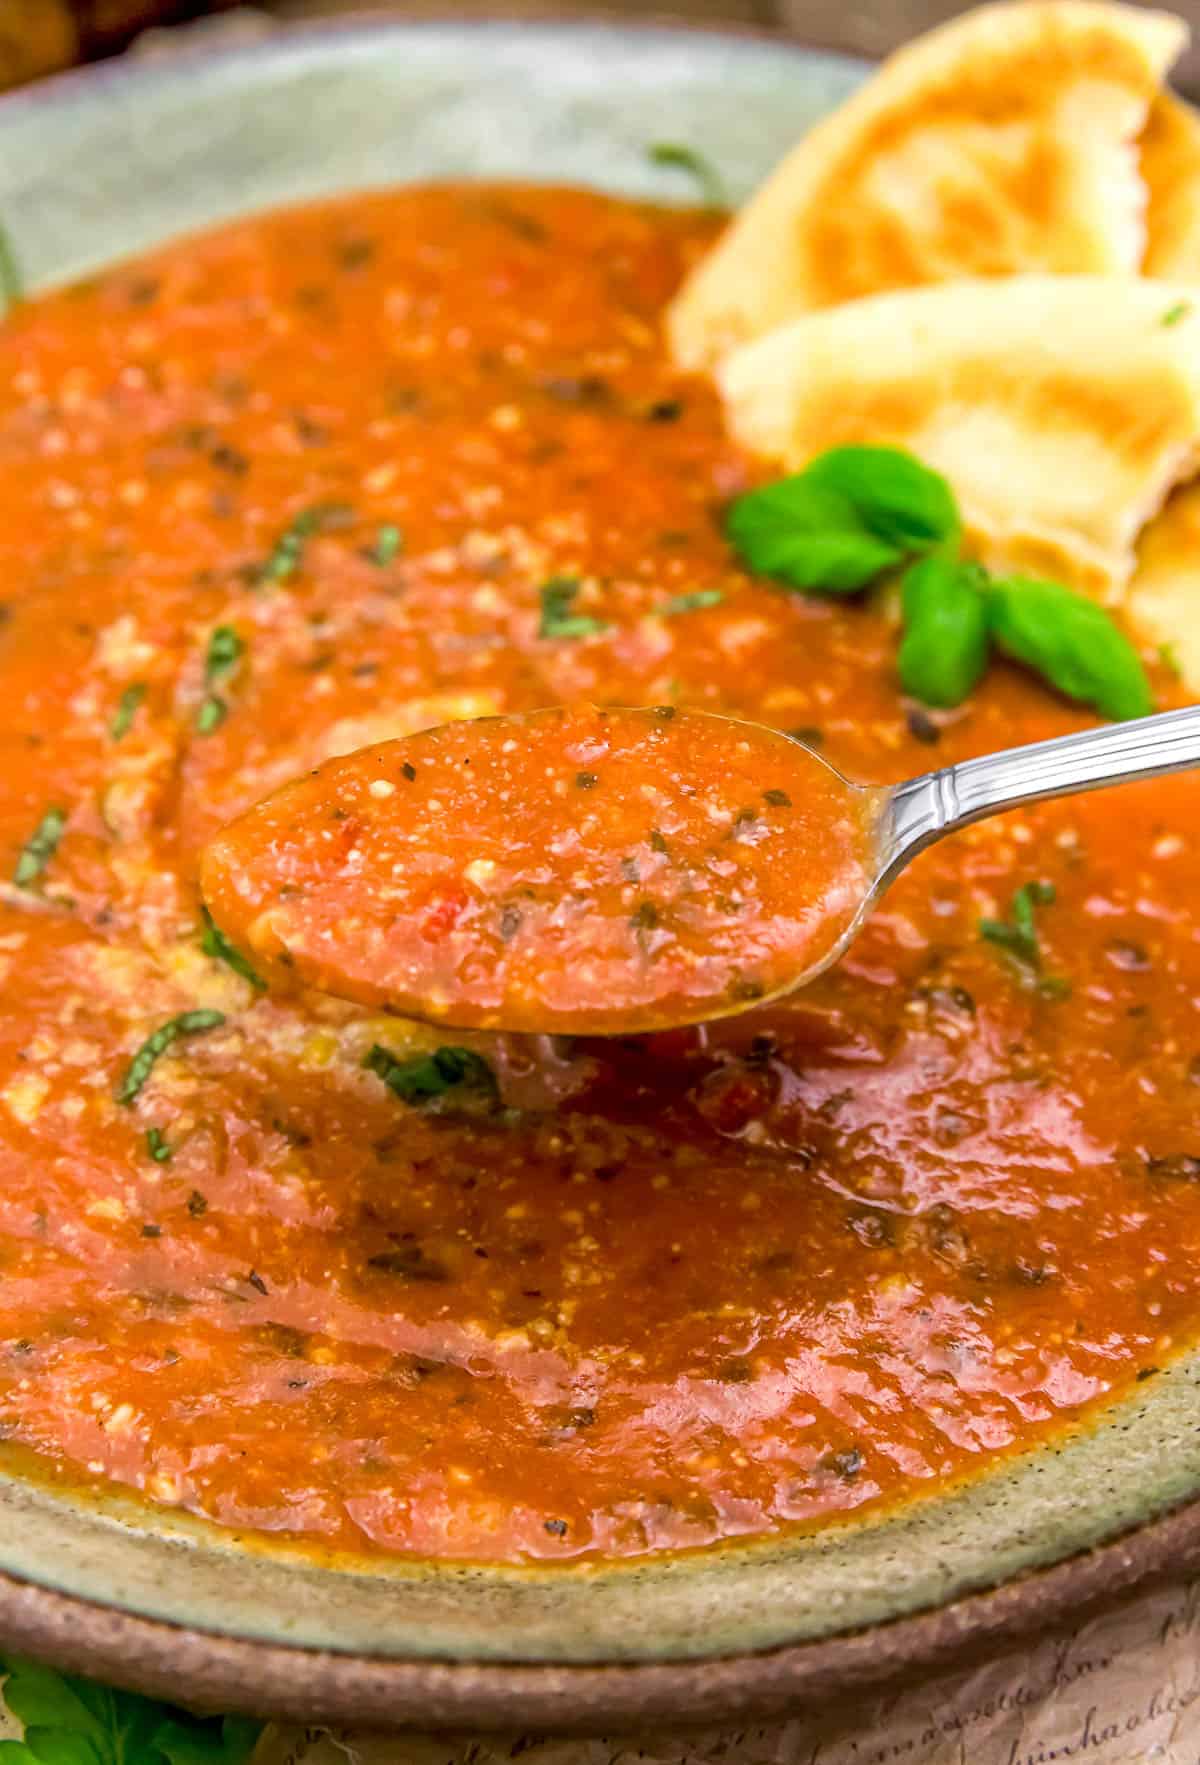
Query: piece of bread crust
(1003, 142)
(1062, 409)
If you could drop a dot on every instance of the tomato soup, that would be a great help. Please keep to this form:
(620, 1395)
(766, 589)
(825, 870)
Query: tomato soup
(573, 870)
(327, 478)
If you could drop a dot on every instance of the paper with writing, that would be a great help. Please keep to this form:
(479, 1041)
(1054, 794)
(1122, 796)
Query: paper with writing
(1123, 1689)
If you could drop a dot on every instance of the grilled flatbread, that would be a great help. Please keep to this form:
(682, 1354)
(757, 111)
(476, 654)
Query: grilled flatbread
(1170, 151)
(1002, 142)
(1061, 408)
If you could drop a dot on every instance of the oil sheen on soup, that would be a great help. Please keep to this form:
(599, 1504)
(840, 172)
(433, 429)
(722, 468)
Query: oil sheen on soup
(330, 477)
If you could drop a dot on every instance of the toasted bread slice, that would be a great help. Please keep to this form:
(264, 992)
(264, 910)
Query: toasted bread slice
(1164, 596)
(1003, 142)
(1170, 150)
(1061, 408)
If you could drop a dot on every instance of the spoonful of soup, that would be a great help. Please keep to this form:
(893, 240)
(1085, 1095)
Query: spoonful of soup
(605, 872)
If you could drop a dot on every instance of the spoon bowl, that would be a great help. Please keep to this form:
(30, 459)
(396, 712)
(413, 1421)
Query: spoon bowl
(572, 870)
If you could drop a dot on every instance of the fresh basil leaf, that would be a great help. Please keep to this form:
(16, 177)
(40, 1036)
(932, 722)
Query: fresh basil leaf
(287, 554)
(1072, 643)
(686, 159)
(53, 1746)
(214, 943)
(49, 1746)
(1017, 934)
(158, 1146)
(692, 600)
(12, 283)
(228, 1740)
(945, 646)
(70, 1721)
(851, 514)
(40, 848)
(225, 649)
(187, 1023)
(127, 709)
(808, 536)
(39, 1697)
(389, 542)
(427, 1076)
(212, 713)
(557, 597)
(896, 497)
(222, 654)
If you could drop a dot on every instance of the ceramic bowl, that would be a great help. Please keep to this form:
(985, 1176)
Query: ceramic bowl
(95, 166)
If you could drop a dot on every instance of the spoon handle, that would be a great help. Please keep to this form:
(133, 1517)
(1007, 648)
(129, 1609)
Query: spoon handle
(923, 809)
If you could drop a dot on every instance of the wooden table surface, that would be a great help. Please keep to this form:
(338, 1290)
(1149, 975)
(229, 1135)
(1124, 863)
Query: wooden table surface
(863, 27)
(37, 36)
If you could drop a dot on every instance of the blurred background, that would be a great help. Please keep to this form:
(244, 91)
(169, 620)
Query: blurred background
(41, 36)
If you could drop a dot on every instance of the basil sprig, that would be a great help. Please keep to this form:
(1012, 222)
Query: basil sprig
(127, 709)
(70, 1721)
(225, 650)
(214, 943)
(426, 1076)
(1018, 933)
(849, 516)
(945, 646)
(1071, 642)
(557, 596)
(809, 537)
(687, 159)
(856, 513)
(40, 848)
(12, 282)
(908, 504)
(1017, 938)
(186, 1023)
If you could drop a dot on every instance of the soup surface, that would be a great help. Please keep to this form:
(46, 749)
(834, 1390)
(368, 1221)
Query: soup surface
(329, 477)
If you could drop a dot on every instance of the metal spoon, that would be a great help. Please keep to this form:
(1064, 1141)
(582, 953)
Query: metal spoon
(606, 871)
(908, 818)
